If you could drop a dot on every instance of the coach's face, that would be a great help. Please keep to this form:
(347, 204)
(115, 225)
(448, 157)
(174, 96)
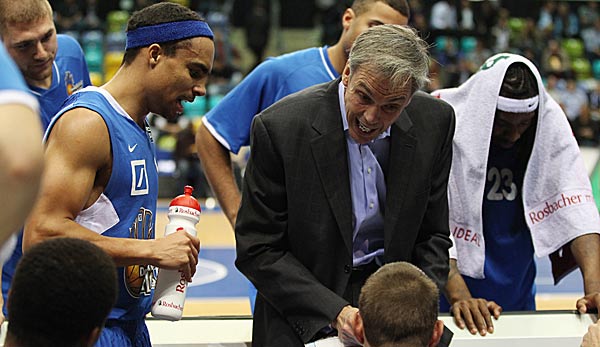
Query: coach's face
(32, 45)
(372, 102)
(181, 77)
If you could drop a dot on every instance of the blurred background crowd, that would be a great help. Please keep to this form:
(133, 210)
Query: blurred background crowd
(561, 37)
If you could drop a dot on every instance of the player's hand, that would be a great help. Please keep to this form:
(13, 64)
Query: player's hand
(178, 251)
(592, 337)
(588, 302)
(476, 315)
(344, 324)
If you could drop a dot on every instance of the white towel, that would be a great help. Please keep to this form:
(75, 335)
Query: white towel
(557, 195)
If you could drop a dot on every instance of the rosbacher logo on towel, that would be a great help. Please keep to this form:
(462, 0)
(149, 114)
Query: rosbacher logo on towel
(557, 203)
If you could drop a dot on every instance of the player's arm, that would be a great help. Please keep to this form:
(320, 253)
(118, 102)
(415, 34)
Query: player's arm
(586, 251)
(216, 163)
(22, 163)
(469, 312)
(78, 160)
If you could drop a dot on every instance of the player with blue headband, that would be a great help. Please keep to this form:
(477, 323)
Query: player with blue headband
(99, 149)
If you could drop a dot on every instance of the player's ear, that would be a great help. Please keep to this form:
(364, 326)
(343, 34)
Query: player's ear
(347, 18)
(155, 52)
(438, 330)
(359, 329)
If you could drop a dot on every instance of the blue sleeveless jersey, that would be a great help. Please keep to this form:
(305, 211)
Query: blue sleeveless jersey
(509, 267)
(127, 208)
(69, 74)
(270, 81)
(10, 76)
(12, 85)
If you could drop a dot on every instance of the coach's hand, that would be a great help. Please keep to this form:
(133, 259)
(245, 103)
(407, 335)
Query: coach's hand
(345, 324)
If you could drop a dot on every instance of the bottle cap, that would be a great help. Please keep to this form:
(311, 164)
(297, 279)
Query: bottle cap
(186, 199)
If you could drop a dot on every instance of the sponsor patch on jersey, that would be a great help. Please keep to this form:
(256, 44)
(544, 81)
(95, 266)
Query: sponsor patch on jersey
(139, 177)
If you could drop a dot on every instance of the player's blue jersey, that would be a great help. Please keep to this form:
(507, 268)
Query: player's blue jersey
(509, 267)
(10, 76)
(127, 208)
(69, 74)
(13, 89)
(273, 79)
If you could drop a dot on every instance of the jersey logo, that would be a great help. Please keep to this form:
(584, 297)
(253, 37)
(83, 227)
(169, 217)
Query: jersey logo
(72, 87)
(141, 279)
(131, 148)
(139, 177)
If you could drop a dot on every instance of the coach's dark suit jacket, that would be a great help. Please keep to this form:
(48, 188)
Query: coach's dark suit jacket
(294, 227)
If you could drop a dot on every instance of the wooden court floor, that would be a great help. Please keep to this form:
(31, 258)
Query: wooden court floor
(215, 231)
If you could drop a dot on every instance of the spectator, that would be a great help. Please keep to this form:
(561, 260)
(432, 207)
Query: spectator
(257, 27)
(591, 40)
(444, 15)
(566, 24)
(574, 99)
(509, 187)
(554, 87)
(586, 129)
(594, 101)
(69, 15)
(467, 19)
(62, 292)
(588, 14)
(501, 32)
(478, 56)
(486, 14)
(555, 60)
(529, 41)
(546, 17)
(189, 169)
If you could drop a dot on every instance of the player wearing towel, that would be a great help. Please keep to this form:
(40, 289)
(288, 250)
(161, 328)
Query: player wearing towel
(518, 186)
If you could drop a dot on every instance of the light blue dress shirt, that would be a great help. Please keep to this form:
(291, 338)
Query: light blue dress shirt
(368, 190)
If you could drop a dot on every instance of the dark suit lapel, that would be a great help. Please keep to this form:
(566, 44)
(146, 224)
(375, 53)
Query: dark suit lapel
(402, 151)
(331, 159)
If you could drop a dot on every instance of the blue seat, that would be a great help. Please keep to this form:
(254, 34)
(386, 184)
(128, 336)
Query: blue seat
(467, 44)
(596, 69)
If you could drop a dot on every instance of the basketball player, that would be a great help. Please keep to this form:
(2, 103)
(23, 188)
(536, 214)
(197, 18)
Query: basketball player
(52, 74)
(518, 187)
(61, 301)
(20, 153)
(101, 178)
(398, 287)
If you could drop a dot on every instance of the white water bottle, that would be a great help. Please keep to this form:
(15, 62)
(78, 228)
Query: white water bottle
(171, 285)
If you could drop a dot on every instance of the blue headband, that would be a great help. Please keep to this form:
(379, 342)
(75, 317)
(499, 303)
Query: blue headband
(164, 32)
